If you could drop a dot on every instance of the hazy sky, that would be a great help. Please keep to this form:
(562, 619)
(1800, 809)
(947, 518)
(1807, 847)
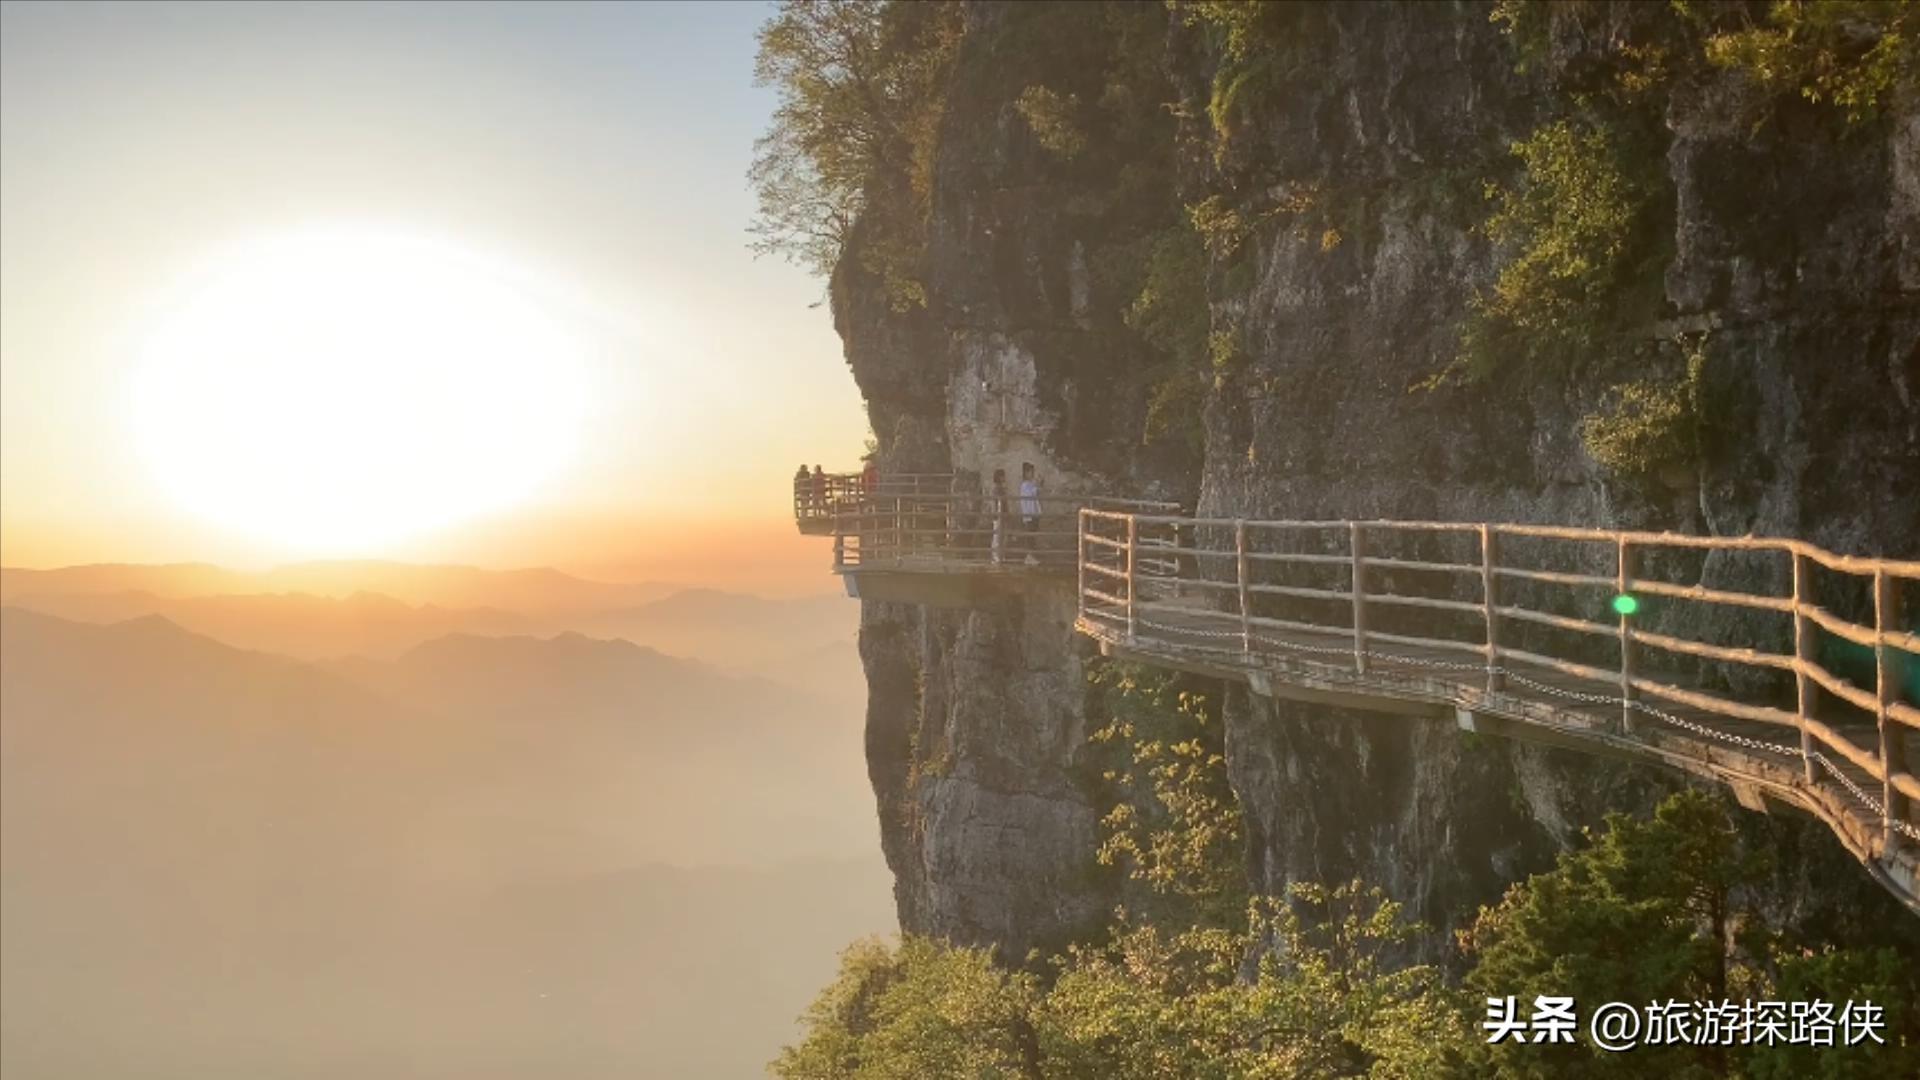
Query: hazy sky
(593, 154)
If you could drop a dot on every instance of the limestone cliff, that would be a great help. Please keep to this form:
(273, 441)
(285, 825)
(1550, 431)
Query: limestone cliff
(1784, 260)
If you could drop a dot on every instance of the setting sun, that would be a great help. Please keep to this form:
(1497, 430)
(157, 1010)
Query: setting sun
(340, 388)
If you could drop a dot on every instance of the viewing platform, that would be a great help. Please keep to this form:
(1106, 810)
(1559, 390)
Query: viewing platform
(1465, 623)
(932, 538)
(819, 500)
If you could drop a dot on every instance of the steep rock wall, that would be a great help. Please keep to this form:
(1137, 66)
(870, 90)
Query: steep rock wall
(1796, 247)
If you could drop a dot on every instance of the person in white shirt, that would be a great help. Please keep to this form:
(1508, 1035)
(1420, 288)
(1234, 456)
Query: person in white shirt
(1030, 511)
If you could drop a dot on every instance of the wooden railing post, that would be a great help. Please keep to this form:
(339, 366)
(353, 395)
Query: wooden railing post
(1490, 600)
(951, 536)
(1358, 550)
(1887, 679)
(839, 550)
(1803, 656)
(1080, 560)
(1623, 583)
(1133, 546)
(1240, 569)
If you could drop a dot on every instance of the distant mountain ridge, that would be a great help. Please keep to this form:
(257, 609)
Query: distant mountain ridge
(729, 630)
(633, 730)
(302, 625)
(222, 861)
(536, 590)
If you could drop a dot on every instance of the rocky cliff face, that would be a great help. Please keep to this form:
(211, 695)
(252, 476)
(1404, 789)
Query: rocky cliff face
(1792, 268)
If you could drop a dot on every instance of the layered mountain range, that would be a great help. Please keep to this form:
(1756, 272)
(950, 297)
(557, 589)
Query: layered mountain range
(431, 843)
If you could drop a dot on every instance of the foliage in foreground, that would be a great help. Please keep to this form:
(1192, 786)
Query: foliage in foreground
(1300, 993)
(1651, 910)
(1667, 909)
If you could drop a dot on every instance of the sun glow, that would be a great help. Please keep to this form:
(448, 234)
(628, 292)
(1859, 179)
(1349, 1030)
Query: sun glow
(332, 390)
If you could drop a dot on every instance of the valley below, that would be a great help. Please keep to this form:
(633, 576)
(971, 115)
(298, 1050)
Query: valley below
(508, 828)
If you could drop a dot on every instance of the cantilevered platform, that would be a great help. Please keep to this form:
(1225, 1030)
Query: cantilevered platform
(926, 539)
(822, 501)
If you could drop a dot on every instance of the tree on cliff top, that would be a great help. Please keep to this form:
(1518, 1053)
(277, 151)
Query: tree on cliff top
(861, 86)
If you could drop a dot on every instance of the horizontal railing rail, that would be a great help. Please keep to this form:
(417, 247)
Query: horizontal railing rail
(1568, 613)
(819, 499)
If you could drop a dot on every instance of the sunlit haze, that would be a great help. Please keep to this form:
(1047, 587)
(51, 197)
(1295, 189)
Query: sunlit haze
(381, 385)
(337, 280)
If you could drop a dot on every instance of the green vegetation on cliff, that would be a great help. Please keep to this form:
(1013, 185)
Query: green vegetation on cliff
(1196, 977)
(1578, 211)
(1301, 992)
(862, 87)
(1669, 908)
(1306, 985)
(1584, 229)
(847, 174)
(1174, 824)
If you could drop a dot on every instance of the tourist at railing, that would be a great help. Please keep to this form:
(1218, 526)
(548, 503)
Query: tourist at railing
(803, 491)
(819, 490)
(1030, 511)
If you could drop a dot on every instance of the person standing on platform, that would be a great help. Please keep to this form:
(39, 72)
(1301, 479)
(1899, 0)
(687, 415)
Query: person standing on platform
(1030, 512)
(870, 507)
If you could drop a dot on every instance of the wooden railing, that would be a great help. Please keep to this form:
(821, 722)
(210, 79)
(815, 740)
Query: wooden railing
(818, 501)
(1587, 618)
(893, 519)
(894, 529)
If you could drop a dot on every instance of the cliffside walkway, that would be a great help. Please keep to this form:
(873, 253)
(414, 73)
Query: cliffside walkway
(1603, 642)
(1579, 638)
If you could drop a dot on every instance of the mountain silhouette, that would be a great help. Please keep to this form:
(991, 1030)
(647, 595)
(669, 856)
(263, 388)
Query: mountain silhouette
(301, 625)
(534, 591)
(224, 861)
(735, 632)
